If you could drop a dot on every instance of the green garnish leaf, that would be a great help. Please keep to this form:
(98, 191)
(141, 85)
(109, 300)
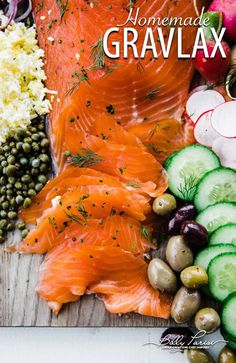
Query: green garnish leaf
(133, 185)
(188, 187)
(63, 7)
(144, 232)
(86, 159)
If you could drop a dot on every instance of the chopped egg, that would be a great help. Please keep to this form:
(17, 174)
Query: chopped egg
(22, 91)
(56, 200)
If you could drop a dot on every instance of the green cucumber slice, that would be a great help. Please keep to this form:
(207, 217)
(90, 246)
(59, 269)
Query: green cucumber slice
(217, 215)
(228, 316)
(221, 274)
(186, 167)
(230, 343)
(218, 185)
(224, 234)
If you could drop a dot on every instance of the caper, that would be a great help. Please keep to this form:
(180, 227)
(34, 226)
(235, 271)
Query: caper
(21, 226)
(4, 163)
(178, 254)
(19, 199)
(199, 356)
(67, 153)
(45, 143)
(27, 140)
(31, 185)
(194, 277)
(6, 148)
(164, 204)
(13, 203)
(32, 129)
(26, 203)
(42, 179)
(25, 193)
(185, 304)
(26, 147)
(161, 277)
(18, 185)
(38, 187)
(2, 180)
(31, 192)
(35, 163)
(10, 170)
(5, 205)
(34, 171)
(14, 151)
(2, 239)
(35, 147)
(3, 223)
(227, 356)
(3, 214)
(11, 159)
(10, 227)
(26, 178)
(10, 192)
(42, 134)
(41, 126)
(207, 319)
(24, 233)
(43, 168)
(44, 158)
(3, 190)
(12, 215)
(11, 180)
(19, 145)
(1, 232)
(35, 137)
(23, 161)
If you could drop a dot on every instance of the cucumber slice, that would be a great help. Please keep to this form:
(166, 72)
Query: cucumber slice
(221, 274)
(217, 215)
(230, 343)
(218, 185)
(228, 316)
(205, 256)
(186, 167)
(224, 234)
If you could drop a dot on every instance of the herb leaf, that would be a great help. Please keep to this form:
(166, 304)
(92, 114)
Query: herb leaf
(86, 159)
(188, 187)
(144, 232)
(152, 94)
(63, 7)
(80, 77)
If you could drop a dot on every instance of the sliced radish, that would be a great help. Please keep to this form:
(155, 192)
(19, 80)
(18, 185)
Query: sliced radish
(201, 102)
(203, 87)
(203, 130)
(225, 148)
(223, 119)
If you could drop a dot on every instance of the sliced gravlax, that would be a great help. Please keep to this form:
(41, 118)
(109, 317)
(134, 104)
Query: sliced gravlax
(223, 119)
(201, 102)
(226, 150)
(204, 133)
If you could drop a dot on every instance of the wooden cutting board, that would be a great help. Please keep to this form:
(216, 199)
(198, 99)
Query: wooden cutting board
(21, 306)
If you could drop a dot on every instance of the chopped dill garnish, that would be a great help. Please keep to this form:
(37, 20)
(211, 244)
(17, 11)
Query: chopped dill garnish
(110, 109)
(73, 217)
(80, 77)
(40, 6)
(86, 159)
(97, 55)
(154, 148)
(152, 94)
(52, 222)
(188, 187)
(132, 3)
(53, 22)
(63, 7)
(133, 185)
(144, 232)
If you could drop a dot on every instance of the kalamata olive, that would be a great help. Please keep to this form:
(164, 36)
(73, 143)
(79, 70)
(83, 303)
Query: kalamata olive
(227, 356)
(207, 319)
(161, 277)
(177, 337)
(178, 254)
(194, 277)
(164, 204)
(194, 233)
(186, 303)
(186, 212)
(199, 356)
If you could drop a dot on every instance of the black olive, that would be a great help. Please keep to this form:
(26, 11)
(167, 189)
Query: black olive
(194, 233)
(186, 212)
(179, 337)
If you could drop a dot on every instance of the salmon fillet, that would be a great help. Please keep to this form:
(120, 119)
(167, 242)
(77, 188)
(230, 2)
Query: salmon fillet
(117, 276)
(132, 90)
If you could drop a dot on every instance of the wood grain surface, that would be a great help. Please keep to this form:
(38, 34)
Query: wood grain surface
(21, 306)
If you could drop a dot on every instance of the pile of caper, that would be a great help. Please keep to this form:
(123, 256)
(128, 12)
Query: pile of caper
(24, 167)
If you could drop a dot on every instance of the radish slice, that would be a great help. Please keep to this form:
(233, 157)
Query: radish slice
(203, 130)
(201, 102)
(203, 87)
(224, 119)
(226, 150)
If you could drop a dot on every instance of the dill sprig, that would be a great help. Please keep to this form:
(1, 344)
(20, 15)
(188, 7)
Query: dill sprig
(132, 3)
(80, 77)
(154, 148)
(188, 187)
(151, 95)
(63, 7)
(73, 217)
(133, 185)
(86, 159)
(97, 55)
(144, 232)
(40, 6)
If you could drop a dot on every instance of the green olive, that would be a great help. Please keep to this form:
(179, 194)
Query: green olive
(185, 304)
(178, 254)
(227, 356)
(164, 204)
(207, 319)
(161, 277)
(199, 356)
(26, 203)
(194, 277)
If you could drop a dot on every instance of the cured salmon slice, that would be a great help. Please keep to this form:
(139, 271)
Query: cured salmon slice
(164, 137)
(80, 205)
(118, 231)
(117, 276)
(88, 83)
